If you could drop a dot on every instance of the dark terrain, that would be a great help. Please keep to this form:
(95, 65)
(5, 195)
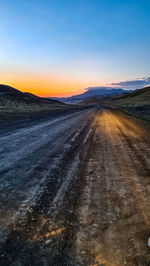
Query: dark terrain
(74, 189)
(15, 104)
(136, 103)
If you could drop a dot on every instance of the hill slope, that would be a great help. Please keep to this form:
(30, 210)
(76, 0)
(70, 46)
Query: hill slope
(14, 102)
(136, 98)
(8, 93)
(136, 103)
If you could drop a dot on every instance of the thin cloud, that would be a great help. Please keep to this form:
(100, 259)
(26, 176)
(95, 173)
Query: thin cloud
(126, 85)
(133, 84)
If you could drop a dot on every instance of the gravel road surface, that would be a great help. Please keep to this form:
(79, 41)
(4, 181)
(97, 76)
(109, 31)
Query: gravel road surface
(75, 190)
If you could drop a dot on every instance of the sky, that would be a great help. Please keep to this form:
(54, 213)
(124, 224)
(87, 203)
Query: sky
(61, 47)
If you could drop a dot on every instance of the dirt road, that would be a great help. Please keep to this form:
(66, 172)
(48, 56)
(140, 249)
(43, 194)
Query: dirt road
(114, 216)
(35, 157)
(76, 192)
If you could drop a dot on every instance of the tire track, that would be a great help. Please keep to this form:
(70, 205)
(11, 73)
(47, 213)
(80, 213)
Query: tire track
(122, 193)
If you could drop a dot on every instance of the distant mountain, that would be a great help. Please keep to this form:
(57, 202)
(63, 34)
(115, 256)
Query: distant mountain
(93, 93)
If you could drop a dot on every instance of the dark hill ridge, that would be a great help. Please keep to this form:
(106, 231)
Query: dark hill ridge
(14, 104)
(7, 90)
(144, 92)
(136, 103)
(135, 98)
(8, 93)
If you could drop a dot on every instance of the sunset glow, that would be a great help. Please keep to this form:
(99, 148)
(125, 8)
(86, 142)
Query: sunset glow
(75, 127)
(60, 48)
(44, 86)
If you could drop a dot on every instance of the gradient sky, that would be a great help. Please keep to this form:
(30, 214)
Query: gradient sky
(61, 47)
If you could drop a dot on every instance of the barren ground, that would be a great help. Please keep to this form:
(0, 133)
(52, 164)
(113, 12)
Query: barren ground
(75, 191)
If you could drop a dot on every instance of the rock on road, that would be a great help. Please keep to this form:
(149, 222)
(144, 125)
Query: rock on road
(75, 191)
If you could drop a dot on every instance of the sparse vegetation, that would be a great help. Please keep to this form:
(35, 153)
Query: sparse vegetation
(14, 103)
(136, 103)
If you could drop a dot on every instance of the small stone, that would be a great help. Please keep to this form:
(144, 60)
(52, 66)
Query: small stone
(48, 241)
(95, 225)
(92, 233)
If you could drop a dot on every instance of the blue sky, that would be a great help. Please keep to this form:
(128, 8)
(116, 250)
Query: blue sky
(66, 46)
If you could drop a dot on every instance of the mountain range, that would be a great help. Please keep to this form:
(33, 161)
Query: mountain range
(98, 92)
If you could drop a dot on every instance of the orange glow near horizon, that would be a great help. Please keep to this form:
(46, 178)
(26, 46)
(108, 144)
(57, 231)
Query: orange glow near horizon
(51, 90)
(45, 85)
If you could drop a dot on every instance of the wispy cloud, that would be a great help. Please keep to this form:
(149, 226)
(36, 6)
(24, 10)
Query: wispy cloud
(125, 85)
(133, 84)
